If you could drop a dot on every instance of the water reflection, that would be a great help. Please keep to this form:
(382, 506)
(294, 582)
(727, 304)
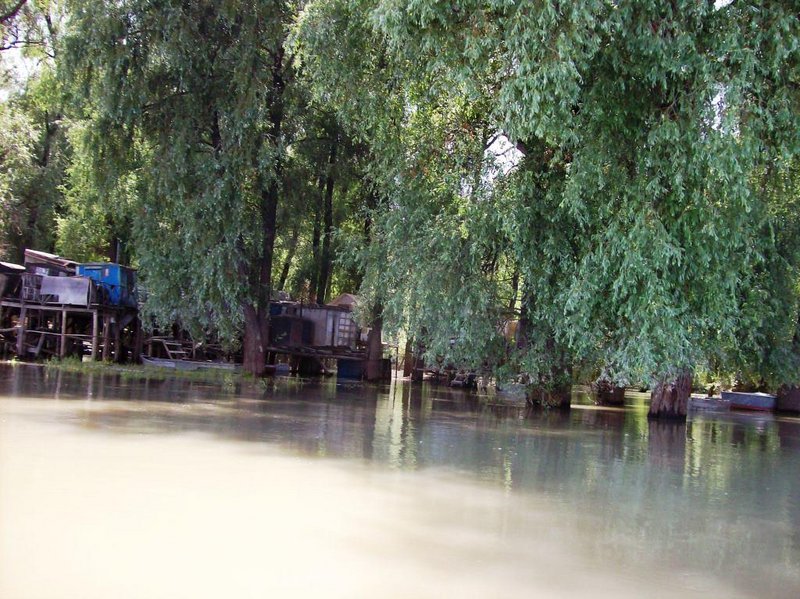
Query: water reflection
(717, 496)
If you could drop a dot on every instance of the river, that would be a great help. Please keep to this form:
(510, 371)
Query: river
(127, 488)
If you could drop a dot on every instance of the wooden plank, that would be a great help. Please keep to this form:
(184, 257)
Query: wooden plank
(46, 307)
(62, 350)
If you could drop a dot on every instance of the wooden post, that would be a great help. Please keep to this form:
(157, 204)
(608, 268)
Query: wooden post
(95, 334)
(137, 343)
(106, 337)
(117, 340)
(62, 350)
(21, 332)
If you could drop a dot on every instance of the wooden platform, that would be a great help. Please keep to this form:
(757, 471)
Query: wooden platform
(36, 329)
(318, 352)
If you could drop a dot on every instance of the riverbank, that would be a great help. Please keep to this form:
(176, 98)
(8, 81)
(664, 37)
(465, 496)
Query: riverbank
(223, 379)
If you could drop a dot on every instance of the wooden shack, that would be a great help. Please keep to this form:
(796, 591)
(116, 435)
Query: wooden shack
(314, 338)
(324, 326)
(52, 312)
(10, 279)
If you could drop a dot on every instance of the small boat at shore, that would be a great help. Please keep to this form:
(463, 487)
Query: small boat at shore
(188, 365)
(711, 404)
(762, 402)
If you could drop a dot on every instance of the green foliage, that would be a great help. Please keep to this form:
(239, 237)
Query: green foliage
(200, 147)
(180, 101)
(33, 157)
(622, 177)
(768, 352)
(97, 210)
(34, 151)
(636, 220)
(16, 170)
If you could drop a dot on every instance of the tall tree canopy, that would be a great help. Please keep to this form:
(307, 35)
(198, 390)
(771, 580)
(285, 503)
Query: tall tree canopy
(34, 146)
(650, 132)
(619, 178)
(200, 99)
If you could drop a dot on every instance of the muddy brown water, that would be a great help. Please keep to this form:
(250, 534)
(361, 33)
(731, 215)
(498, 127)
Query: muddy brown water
(125, 488)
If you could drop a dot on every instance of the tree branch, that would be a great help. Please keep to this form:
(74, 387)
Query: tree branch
(12, 12)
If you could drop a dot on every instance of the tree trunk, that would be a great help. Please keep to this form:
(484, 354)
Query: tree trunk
(50, 130)
(11, 12)
(418, 364)
(551, 390)
(521, 334)
(374, 370)
(316, 238)
(608, 394)
(669, 399)
(256, 341)
(325, 258)
(408, 358)
(113, 250)
(256, 312)
(558, 397)
(289, 257)
(512, 303)
(256, 335)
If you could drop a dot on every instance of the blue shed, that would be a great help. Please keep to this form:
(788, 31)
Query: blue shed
(115, 283)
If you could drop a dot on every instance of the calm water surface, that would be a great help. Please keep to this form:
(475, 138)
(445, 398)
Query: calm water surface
(139, 489)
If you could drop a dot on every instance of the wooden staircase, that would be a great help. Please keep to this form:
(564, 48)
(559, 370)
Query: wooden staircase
(173, 348)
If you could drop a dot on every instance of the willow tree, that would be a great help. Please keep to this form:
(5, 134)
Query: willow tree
(34, 146)
(768, 355)
(199, 100)
(657, 115)
(434, 263)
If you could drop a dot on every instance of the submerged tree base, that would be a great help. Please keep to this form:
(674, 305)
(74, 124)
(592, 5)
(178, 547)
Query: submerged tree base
(669, 400)
(558, 398)
(608, 394)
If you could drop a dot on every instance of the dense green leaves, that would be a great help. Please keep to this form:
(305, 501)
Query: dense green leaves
(188, 99)
(619, 177)
(34, 149)
(636, 220)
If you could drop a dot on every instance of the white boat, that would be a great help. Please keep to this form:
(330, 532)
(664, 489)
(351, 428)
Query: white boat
(188, 365)
(763, 402)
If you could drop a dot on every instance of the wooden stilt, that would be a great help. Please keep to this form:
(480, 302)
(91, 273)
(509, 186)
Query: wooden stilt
(137, 343)
(62, 350)
(21, 333)
(106, 337)
(117, 339)
(95, 334)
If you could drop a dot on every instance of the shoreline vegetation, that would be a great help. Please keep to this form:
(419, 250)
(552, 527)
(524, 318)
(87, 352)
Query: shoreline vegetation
(146, 372)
